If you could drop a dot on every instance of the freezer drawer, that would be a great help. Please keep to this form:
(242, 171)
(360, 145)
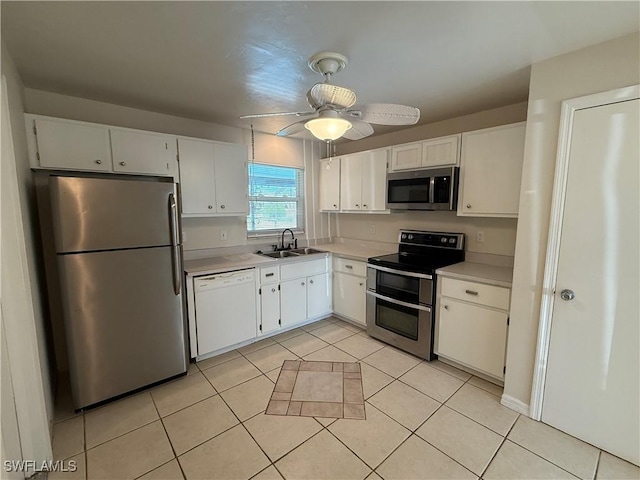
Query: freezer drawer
(92, 214)
(123, 321)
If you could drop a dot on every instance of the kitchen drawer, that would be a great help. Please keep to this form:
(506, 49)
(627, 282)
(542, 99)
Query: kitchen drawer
(349, 266)
(303, 269)
(269, 275)
(496, 297)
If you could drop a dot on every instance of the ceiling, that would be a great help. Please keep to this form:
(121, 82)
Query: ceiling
(216, 61)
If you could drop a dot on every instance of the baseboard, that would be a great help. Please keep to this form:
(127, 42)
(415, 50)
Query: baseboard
(515, 404)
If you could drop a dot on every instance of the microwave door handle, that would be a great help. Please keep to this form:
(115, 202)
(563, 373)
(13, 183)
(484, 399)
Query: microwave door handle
(432, 187)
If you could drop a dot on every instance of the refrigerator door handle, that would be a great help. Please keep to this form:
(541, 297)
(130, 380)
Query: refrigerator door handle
(175, 261)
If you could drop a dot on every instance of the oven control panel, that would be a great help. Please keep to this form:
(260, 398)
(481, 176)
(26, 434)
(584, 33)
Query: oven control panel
(453, 241)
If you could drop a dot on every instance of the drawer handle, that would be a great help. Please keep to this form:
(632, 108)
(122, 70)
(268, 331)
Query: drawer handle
(471, 292)
(269, 275)
(350, 267)
(446, 307)
(99, 162)
(124, 164)
(223, 206)
(210, 207)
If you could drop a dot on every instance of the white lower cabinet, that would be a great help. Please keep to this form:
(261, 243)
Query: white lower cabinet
(293, 301)
(349, 290)
(318, 295)
(471, 325)
(269, 297)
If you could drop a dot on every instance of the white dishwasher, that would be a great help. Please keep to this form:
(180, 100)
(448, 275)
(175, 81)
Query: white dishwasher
(225, 309)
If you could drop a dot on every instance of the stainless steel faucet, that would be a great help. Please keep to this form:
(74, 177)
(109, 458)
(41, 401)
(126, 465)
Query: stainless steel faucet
(294, 240)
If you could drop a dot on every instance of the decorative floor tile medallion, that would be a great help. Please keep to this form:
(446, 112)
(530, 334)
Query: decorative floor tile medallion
(318, 389)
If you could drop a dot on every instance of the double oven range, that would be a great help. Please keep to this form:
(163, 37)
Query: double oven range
(401, 289)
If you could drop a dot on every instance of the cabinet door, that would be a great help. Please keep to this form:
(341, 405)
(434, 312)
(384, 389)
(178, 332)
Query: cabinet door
(73, 145)
(374, 181)
(349, 297)
(232, 187)
(139, 152)
(329, 181)
(472, 335)
(491, 171)
(197, 183)
(318, 295)
(406, 157)
(440, 151)
(293, 301)
(269, 308)
(351, 182)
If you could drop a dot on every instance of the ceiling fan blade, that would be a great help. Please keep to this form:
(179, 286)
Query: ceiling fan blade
(291, 129)
(328, 94)
(358, 130)
(385, 114)
(278, 114)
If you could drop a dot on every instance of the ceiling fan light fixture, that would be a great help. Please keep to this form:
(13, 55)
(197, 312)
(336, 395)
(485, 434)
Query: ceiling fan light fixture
(328, 128)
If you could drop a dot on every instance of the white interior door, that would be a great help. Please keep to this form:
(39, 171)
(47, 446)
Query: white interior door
(592, 381)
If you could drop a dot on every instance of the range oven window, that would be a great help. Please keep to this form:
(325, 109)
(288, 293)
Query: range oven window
(399, 287)
(398, 319)
(413, 190)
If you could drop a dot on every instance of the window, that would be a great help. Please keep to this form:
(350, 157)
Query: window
(276, 199)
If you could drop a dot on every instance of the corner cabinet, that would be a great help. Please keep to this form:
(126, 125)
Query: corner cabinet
(471, 325)
(491, 171)
(329, 185)
(61, 144)
(213, 178)
(363, 182)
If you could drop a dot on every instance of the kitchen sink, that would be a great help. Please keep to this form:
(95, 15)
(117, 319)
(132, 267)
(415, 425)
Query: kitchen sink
(306, 251)
(281, 254)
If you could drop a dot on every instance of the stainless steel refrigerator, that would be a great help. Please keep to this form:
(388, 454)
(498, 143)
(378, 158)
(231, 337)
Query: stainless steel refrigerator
(118, 263)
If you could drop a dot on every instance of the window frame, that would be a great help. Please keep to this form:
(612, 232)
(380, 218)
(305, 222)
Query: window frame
(299, 200)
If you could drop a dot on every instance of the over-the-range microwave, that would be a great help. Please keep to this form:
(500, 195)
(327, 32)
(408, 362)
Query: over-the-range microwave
(431, 189)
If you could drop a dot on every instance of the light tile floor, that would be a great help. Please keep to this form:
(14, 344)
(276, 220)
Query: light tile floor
(424, 420)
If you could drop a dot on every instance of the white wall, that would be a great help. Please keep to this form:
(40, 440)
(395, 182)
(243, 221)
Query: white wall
(602, 67)
(500, 233)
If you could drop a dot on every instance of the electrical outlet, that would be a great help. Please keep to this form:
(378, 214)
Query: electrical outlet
(223, 234)
(480, 236)
(372, 229)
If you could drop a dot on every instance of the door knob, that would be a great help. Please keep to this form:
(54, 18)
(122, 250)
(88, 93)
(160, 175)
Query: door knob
(123, 164)
(222, 206)
(567, 295)
(99, 162)
(468, 205)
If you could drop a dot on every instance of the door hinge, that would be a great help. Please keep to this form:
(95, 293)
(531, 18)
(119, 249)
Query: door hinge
(260, 327)
(278, 287)
(279, 322)
(259, 291)
(508, 318)
(35, 129)
(38, 155)
(504, 369)
(166, 146)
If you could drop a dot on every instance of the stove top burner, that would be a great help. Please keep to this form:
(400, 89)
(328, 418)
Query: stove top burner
(424, 252)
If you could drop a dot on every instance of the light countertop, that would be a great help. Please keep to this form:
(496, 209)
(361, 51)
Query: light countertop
(354, 251)
(479, 272)
(225, 262)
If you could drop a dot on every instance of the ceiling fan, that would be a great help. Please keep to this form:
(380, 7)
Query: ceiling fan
(334, 113)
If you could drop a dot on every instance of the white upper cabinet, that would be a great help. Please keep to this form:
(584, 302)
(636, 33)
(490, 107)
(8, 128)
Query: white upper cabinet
(329, 181)
(491, 171)
(141, 152)
(437, 152)
(213, 178)
(231, 178)
(363, 182)
(70, 145)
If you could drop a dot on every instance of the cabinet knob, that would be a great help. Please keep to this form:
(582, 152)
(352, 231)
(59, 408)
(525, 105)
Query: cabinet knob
(335, 206)
(468, 205)
(361, 284)
(124, 164)
(302, 283)
(364, 205)
(210, 207)
(446, 307)
(98, 162)
(222, 206)
(273, 290)
(357, 205)
(311, 281)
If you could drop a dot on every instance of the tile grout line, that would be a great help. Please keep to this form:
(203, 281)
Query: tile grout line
(175, 455)
(595, 473)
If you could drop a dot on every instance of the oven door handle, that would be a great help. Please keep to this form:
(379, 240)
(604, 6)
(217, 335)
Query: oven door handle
(400, 272)
(399, 302)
